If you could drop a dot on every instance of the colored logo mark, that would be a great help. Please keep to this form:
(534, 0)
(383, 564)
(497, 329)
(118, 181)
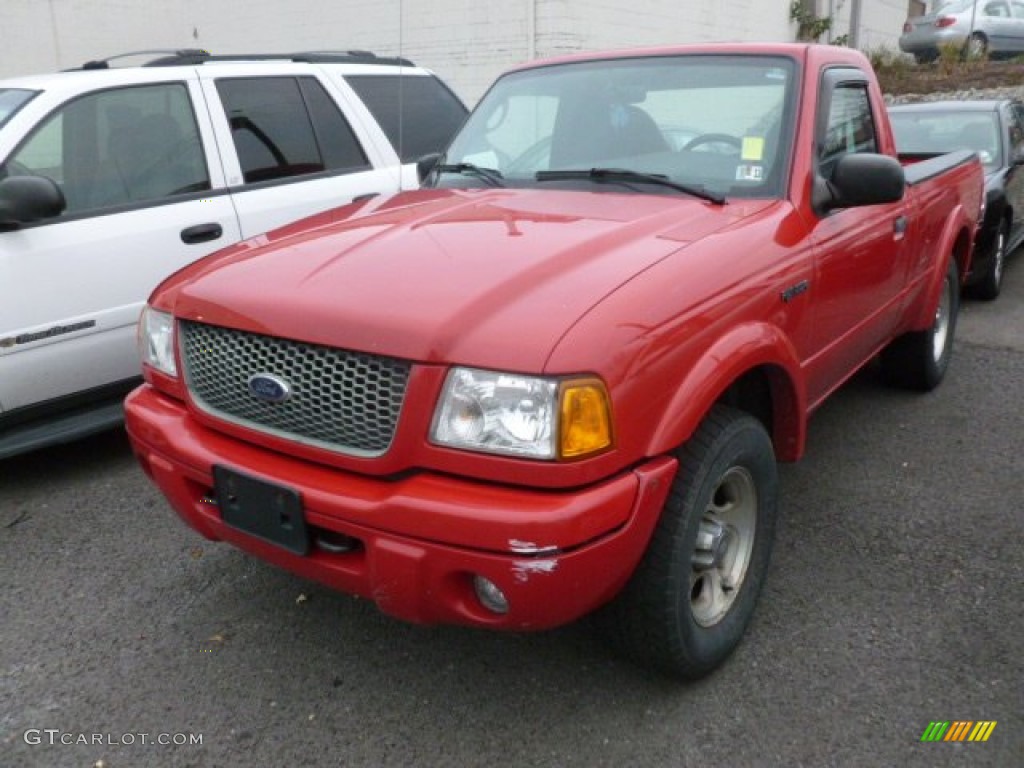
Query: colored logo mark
(959, 730)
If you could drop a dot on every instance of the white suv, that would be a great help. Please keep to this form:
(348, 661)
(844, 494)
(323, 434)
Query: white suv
(111, 178)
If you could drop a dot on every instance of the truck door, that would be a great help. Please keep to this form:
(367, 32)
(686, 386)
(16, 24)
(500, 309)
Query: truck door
(860, 264)
(144, 198)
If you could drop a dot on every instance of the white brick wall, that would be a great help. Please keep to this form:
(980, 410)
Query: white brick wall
(468, 42)
(881, 21)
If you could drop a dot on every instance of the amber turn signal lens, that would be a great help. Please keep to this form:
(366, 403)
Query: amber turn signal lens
(586, 423)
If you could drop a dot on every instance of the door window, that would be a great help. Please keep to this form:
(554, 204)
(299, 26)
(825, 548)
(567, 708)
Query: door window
(850, 127)
(118, 147)
(285, 127)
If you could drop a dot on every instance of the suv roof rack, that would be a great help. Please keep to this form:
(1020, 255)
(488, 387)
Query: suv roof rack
(192, 56)
(105, 63)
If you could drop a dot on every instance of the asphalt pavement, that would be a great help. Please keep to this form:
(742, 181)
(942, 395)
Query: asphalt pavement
(893, 601)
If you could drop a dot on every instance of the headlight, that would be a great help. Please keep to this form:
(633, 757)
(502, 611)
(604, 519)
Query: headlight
(156, 341)
(527, 416)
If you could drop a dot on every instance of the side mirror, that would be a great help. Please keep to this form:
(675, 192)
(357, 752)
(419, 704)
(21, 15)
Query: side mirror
(24, 199)
(860, 179)
(426, 164)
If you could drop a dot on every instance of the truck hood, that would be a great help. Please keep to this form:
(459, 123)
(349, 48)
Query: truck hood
(490, 278)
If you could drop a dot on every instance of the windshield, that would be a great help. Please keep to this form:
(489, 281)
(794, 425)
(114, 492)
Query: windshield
(718, 123)
(933, 133)
(11, 100)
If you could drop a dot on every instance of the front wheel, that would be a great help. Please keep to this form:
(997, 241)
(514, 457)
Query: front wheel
(693, 594)
(992, 281)
(919, 359)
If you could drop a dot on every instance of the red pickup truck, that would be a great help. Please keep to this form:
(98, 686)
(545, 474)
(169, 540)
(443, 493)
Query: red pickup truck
(556, 381)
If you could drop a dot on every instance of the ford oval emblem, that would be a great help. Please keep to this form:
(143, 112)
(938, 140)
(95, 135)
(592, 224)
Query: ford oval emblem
(272, 389)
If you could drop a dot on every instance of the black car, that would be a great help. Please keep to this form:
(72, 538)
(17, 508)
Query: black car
(995, 130)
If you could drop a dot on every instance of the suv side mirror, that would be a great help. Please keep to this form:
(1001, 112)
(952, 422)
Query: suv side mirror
(24, 199)
(860, 179)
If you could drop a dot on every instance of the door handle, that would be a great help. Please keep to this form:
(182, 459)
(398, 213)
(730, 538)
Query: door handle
(899, 227)
(201, 233)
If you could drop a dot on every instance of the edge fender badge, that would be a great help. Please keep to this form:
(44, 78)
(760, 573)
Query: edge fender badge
(269, 388)
(49, 333)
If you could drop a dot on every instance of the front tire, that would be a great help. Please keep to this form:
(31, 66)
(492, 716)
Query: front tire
(688, 604)
(919, 359)
(992, 282)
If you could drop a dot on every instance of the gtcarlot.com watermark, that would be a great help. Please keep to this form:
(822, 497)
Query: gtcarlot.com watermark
(56, 737)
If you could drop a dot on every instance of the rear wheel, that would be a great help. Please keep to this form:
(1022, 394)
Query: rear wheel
(992, 282)
(693, 594)
(977, 46)
(919, 360)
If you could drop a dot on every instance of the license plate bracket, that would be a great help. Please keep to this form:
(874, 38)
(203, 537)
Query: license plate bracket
(266, 510)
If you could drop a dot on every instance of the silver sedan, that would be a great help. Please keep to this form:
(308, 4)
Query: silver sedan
(985, 27)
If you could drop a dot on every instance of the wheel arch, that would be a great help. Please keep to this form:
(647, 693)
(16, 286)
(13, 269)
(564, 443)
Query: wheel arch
(754, 369)
(980, 35)
(957, 243)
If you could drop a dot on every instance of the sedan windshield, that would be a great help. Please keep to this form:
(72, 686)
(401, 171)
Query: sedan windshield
(716, 124)
(937, 132)
(11, 100)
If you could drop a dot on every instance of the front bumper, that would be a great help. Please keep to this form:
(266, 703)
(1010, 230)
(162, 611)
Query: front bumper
(421, 538)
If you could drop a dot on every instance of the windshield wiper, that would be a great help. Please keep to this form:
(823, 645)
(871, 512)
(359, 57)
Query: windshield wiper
(624, 174)
(492, 176)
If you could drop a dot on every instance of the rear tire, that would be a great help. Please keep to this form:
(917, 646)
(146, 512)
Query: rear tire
(919, 360)
(688, 604)
(992, 282)
(977, 47)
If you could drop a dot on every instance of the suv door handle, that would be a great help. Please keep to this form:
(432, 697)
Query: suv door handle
(201, 233)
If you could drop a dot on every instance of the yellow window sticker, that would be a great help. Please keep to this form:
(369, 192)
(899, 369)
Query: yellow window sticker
(753, 148)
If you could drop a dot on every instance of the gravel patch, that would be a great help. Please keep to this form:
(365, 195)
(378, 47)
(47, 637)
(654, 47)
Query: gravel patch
(968, 94)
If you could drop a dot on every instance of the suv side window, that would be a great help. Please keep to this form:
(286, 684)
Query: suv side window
(432, 112)
(284, 127)
(117, 147)
(850, 126)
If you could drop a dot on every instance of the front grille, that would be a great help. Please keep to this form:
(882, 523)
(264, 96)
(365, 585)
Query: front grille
(344, 401)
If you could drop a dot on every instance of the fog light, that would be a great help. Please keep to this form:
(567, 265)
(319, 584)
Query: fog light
(492, 598)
